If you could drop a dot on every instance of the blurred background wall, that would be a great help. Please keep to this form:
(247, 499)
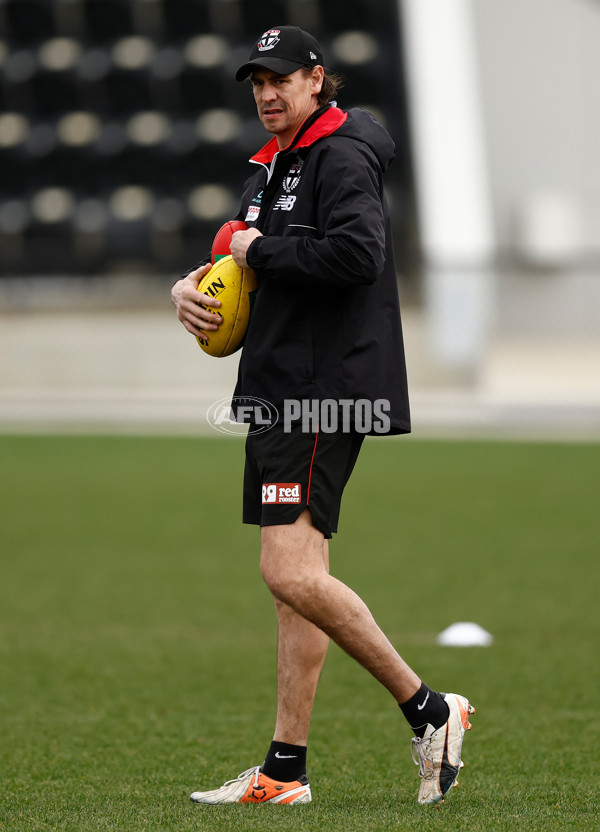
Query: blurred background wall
(124, 141)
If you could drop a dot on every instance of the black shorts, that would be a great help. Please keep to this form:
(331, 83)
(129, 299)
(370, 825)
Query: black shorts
(287, 473)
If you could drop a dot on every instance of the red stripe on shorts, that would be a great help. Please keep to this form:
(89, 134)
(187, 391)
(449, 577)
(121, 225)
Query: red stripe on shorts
(311, 467)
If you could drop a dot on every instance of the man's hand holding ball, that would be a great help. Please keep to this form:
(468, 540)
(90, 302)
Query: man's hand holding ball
(240, 243)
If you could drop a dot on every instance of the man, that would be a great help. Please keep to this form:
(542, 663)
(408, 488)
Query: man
(324, 346)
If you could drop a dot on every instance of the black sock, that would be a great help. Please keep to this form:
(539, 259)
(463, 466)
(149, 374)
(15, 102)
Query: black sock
(285, 762)
(425, 708)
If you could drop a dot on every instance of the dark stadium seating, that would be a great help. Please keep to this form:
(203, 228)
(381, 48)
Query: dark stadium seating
(107, 20)
(118, 117)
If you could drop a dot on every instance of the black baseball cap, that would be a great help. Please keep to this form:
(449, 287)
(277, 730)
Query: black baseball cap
(282, 49)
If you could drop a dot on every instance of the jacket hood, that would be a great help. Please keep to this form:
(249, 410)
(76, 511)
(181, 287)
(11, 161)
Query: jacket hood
(356, 124)
(362, 126)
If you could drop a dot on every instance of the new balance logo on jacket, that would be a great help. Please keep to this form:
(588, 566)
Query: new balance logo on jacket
(284, 203)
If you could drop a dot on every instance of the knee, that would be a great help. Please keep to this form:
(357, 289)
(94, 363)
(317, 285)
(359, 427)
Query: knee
(293, 559)
(287, 584)
(277, 577)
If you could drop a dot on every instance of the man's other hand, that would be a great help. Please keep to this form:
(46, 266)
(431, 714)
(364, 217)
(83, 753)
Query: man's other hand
(188, 302)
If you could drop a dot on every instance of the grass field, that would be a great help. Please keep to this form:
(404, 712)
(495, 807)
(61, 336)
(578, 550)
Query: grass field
(137, 639)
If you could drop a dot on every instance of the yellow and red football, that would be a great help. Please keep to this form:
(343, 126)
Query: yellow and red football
(235, 288)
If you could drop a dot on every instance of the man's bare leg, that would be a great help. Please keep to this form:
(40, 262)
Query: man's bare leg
(301, 651)
(293, 568)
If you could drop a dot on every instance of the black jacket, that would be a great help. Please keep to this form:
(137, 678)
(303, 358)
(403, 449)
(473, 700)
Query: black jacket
(326, 318)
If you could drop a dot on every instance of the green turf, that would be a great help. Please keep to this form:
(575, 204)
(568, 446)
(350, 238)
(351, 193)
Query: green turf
(137, 639)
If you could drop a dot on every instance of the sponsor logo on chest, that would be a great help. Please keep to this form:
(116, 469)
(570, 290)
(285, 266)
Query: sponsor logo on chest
(253, 212)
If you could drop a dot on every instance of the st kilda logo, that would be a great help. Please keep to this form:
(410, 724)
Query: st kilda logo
(290, 181)
(268, 40)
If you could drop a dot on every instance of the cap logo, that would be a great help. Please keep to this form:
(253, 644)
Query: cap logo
(313, 56)
(268, 40)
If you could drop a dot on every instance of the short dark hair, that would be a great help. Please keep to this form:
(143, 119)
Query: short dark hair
(332, 82)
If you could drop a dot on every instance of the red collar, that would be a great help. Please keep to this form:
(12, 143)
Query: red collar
(325, 125)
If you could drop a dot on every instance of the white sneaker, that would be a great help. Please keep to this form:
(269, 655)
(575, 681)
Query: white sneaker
(252, 786)
(438, 753)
